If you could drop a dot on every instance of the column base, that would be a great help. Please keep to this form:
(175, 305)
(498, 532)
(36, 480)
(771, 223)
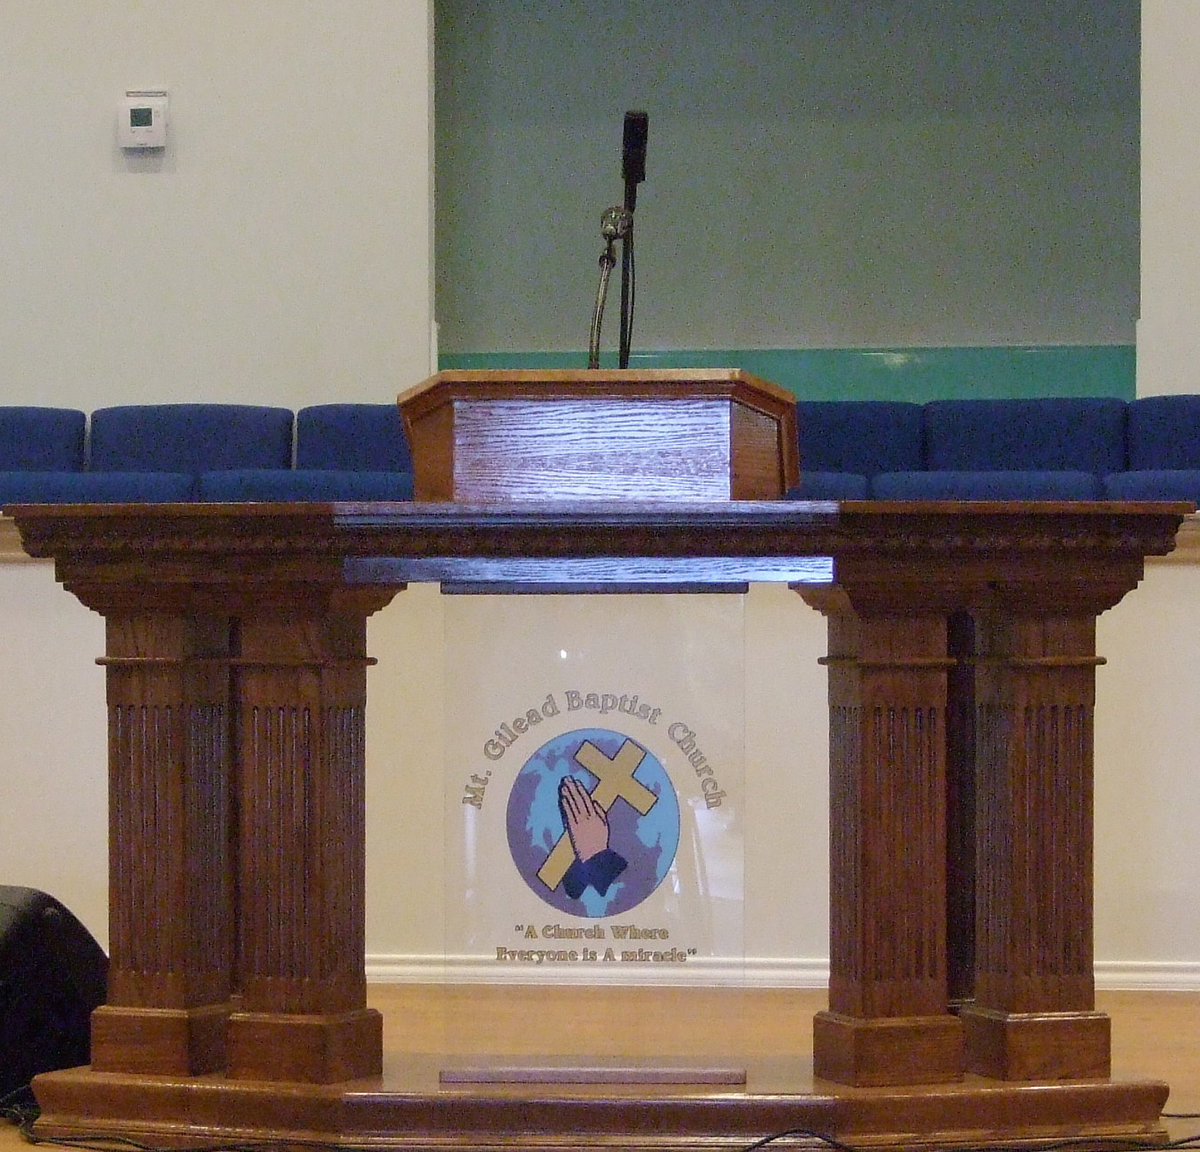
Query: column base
(878, 1051)
(305, 1049)
(1037, 1045)
(177, 1041)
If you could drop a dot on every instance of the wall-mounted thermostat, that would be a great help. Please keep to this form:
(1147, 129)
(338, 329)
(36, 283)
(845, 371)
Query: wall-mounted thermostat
(142, 119)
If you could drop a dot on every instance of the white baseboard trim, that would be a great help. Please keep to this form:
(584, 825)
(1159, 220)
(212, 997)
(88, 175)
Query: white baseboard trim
(696, 971)
(1147, 976)
(702, 972)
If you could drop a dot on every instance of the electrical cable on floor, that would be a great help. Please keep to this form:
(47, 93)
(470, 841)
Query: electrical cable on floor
(789, 1133)
(104, 1143)
(19, 1107)
(1091, 1143)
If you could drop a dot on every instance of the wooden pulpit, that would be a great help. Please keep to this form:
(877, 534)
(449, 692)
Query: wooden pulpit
(661, 434)
(236, 664)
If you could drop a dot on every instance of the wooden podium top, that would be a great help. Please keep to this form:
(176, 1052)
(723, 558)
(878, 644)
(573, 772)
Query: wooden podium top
(938, 556)
(657, 434)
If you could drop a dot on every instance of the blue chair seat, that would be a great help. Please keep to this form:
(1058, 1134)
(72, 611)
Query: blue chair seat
(829, 486)
(1004, 485)
(1154, 484)
(316, 484)
(95, 487)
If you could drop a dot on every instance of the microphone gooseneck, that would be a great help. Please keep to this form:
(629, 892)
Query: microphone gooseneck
(617, 224)
(614, 225)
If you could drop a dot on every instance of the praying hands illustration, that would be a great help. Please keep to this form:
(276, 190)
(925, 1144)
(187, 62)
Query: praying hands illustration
(586, 823)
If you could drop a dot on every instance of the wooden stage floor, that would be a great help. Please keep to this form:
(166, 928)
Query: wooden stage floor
(767, 1032)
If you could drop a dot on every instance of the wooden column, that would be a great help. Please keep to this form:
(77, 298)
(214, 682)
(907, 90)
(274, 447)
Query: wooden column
(887, 1021)
(171, 912)
(1033, 1015)
(301, 692)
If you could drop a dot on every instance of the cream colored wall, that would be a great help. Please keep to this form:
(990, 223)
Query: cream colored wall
(1168, 338)
(278, 252)
(53, 776)
(1148, 782)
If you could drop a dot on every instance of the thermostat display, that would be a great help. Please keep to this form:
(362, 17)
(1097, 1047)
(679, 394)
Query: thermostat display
(142, 120)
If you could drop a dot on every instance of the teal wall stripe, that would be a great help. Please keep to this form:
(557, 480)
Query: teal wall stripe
(917, 374)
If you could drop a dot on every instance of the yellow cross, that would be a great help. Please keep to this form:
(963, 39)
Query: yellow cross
(614, 779)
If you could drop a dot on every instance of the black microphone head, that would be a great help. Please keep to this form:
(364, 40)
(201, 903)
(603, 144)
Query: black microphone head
(633, 150)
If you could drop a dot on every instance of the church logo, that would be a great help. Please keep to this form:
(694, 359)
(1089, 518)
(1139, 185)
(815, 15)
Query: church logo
(593, 822)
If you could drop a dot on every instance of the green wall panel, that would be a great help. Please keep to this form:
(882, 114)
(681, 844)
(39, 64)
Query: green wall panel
(917, 374)
(927, 174)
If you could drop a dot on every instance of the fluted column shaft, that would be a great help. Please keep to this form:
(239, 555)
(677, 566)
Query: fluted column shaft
(170, 868)
(301, 692)
(887, 1021)
(1034, 1007)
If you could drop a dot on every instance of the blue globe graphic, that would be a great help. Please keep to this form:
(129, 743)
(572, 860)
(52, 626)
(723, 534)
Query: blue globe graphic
(647, 843)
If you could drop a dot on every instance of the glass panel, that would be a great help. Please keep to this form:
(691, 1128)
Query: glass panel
(594, 774)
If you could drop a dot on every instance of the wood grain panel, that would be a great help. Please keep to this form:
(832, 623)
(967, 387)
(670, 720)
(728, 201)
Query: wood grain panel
(514, 450)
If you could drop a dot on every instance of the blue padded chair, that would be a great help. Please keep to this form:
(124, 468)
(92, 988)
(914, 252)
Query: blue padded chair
(1057, 442)
(320, 485)
(36, 439)
(352, 437)
(343, 452)
(843, 443)
(1163, 439)
(162, 450)
(1080, 434)
(42, 458)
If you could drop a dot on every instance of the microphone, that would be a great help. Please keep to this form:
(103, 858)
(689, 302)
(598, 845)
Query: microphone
(616, 224)
(633, 155)
(633, 170)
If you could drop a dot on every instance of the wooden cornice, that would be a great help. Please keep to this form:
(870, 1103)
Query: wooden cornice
(1186, 551)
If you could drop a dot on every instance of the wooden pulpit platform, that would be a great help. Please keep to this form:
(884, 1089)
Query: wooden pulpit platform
(961, 689)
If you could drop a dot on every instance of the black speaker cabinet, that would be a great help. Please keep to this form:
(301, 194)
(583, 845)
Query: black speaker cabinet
(52, 974)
